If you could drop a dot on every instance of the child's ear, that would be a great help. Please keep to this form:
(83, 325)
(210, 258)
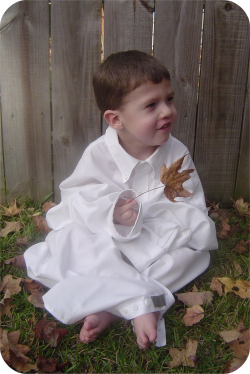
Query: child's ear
(113, 119)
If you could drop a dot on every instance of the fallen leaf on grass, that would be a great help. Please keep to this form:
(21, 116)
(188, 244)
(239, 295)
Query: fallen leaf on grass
(5, 304)
(22, 241)
(11, 227)
(47, 206)
(185, 357)
(241, 207)
(10, 284)
(41, 224)
(36, 298)
(234, 365)
(195, 298)
(242, 288)
(237, 268)
(238, 340)
(193, 315)
(12, 210)
(225, 229)
(225, 285)
(242, 246)
(46, 330)
(173, 180)
(32, 285)
(49, 365)
(14, 353)
(17, 261)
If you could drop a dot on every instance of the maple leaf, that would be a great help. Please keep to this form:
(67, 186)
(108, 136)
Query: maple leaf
(185, 357)
(241, 207)
(195, 298)
(173, 180)
(193, 315)
(12, 210)
(11, 227)
(225, 285)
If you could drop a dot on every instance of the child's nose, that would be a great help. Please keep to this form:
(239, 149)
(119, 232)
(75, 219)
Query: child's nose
(165, 111)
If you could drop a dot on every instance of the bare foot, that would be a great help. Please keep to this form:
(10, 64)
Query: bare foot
(94, 324)
(146, 329)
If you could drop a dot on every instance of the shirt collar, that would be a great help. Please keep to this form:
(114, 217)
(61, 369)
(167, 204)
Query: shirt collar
(127, 163)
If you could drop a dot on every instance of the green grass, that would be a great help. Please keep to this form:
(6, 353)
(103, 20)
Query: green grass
(116, 351)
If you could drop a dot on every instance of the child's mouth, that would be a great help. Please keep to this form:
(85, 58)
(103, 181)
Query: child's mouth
(165, 126)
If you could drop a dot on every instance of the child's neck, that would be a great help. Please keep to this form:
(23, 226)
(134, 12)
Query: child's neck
(140, 153)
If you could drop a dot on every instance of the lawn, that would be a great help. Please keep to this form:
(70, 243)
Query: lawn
(45, 346)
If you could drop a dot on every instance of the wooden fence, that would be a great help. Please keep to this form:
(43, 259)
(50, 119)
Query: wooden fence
(48, 109)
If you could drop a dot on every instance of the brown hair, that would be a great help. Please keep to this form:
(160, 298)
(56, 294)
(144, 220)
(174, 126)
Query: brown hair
(123, 72)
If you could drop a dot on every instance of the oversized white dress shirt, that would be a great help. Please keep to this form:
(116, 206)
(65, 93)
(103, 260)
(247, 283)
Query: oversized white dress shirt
(92, 264)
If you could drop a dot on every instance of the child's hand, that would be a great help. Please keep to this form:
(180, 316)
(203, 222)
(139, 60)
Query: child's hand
(124, 212)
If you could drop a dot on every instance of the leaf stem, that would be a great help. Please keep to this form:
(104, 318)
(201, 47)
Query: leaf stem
(148, 191)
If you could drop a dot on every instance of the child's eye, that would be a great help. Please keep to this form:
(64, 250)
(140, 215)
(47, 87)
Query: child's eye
(171, 98)
(151, 105)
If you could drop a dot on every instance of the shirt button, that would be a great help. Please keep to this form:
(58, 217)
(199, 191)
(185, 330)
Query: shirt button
(125, 176)
(124, 311)
(147, 302)
(135, 307)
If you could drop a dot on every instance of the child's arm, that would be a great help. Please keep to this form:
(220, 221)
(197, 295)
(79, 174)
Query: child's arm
(124, 212)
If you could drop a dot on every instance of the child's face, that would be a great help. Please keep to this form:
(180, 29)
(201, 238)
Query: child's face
(147, 117)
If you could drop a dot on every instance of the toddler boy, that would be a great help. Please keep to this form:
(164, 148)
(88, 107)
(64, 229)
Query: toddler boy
(112, 254)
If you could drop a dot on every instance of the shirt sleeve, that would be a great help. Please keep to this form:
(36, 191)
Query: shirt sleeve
(89, 197)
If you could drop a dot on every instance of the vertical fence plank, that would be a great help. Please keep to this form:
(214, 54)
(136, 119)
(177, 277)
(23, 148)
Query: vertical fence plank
(223, 81)
(177, 44)
(76, 52)
(128, 24)
(24, 71)
(2, 179)
(242, 182)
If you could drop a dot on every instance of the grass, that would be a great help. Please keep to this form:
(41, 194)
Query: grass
(116, 351)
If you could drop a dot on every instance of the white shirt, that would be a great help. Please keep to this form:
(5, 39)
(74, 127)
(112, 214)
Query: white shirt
(83, 223)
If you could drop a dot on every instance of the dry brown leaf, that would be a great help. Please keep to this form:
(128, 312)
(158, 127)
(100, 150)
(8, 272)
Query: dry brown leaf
(17, 261)
(195, 298)
(242, 288)
(11, 227)
(230, 335)
(173, 180)
(234, 365)
(9, 343)
(20, 363)
(241, 207)
(22, 241)
(32, 285)
(36, 298)
(193, 315)
(237, 268)
(41, 224)
(47, 206)
(228, 284)
(46, 330)
(12, 210)
(217, 286)
(46, 365)
(10, 284)
(185, 357)
(242, 246)
(225, 229)
(241, 345)
(5, 304)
